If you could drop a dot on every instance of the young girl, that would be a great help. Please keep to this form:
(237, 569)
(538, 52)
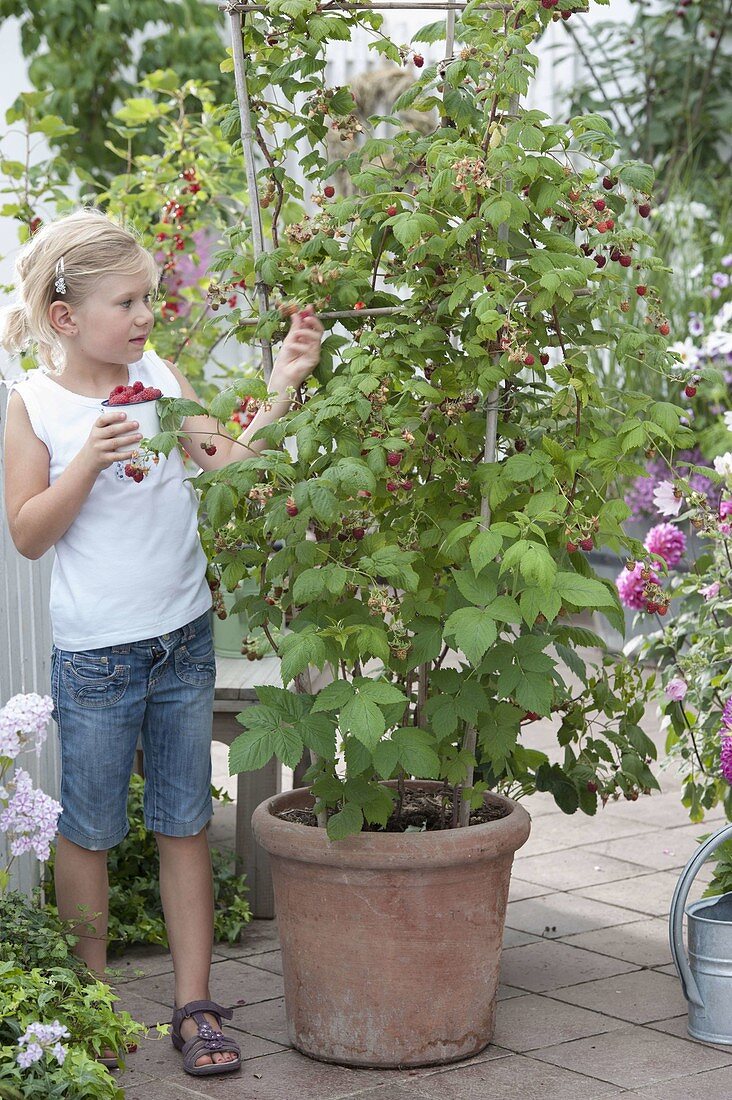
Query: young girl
(130, 604)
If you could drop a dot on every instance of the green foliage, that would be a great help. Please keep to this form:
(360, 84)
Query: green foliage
(135, 908)
(425, 541)
(120, 43)
(42, 981)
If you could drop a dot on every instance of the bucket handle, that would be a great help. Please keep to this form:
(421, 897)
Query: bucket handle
(676, 915)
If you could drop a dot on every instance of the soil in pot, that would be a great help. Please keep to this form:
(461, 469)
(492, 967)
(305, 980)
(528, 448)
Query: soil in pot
(421, 809)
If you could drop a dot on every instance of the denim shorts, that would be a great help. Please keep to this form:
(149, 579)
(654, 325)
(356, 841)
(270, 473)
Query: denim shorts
(159, 690)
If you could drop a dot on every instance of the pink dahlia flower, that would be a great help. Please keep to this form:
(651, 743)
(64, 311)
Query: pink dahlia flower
(630, 585)
(725, 759)
(667, 541)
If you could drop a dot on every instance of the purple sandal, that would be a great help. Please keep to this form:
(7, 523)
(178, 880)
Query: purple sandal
(207, 1041)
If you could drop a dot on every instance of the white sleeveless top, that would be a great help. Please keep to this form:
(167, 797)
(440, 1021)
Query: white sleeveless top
(131, 565)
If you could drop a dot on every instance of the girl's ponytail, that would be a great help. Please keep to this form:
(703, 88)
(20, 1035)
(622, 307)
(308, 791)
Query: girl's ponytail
(15, 334)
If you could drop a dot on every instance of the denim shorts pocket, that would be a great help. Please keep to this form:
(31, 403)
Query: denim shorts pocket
(90, 683)
(195, 668)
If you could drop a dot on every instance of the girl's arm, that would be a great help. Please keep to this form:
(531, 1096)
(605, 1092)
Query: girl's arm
(298, 358)
(39, 513)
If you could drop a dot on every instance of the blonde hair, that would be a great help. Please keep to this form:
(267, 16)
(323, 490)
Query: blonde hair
(91, 245)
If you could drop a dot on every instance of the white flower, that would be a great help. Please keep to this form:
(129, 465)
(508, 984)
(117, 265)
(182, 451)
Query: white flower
(665, 499)
(728, 420)
(687, 352)
(696, 271)
(718, 344)
(723, 465)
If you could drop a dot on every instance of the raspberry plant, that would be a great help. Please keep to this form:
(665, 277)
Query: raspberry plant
(455, 453)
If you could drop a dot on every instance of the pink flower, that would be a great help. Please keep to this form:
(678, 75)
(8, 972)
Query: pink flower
(665, 499)
(667, 541)
(677, 688)
(725, 509)
(30, 817)
(630, 586)
(725, 759)
(727, 714)
(710, 590)
(725, 528)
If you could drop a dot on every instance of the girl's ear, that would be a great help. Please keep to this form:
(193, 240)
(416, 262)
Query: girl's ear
(62, 319)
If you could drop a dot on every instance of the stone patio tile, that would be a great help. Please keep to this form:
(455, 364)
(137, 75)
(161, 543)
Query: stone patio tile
(139, 962)
(266, 1019)
(664, 811)
(518, 889)
(644, 942)
(574, 868)
(540, 804)
(634, 1057)
(392, 1091)
(512, 937)
(532, 1022)
(512, 1078)
(506, 992)
(289, 1075)
(715, 1084)
(268, 960)
(233, 982)
(677, 1025)
(143, 1009)
(650, 894)
(564, 915)
(666, 849)
(256, 937)
(552, 834)
(147, 1088)
(639, 997)
(539, 967)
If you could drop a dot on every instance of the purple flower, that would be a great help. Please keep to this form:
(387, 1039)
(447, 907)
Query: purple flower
(667, 541)
(725, 758)
(30, 817)
(725, 508)
(721, 279)
(696, 325)
(677, 688)
(666, 500)
(24, 718)
(727, 714)
(710, 590)
(38, 1038)
(630, 585)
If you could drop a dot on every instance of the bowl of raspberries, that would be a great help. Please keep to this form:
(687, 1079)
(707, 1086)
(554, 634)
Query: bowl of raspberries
(145, 410)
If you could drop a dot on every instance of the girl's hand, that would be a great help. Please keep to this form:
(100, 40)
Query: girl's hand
(111, 431)
(300, 351)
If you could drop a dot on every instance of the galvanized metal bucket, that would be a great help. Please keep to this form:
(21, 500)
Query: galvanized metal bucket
(706, 975)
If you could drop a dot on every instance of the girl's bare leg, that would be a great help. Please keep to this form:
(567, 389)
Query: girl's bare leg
(82, 896)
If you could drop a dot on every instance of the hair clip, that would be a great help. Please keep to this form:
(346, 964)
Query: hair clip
(60, 283)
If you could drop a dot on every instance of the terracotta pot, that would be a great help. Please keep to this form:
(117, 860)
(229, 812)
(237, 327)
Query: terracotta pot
(391, 942)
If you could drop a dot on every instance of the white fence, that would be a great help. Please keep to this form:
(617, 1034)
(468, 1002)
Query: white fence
(25, 656)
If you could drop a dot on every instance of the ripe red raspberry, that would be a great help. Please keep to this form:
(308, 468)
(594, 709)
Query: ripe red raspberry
(137, 387)
(601, 227)
(690, 391)
(531, 716)
(138, 476)
(615, 254)
(644, 209)
(118, 389)
(188, 173)
(573, 196)
(586, 544)
(210, 449)
(664, 328)
(662, 608)
(543, 359)
(418, 60)
(609, 223)
(572, 547)
(641, 291)
(290, 507)
(360, 305)
(599, 204)
(391, 486)
(329, 191)
(391, 211)
(35, 225)
(549, 4)
(406, 485)
(591, 786)
(393, 458)
(600, 260)
(625, 261)
(529, 360)
(117, 399)
(651, 607)
(129, 470)
(358, 533)
(608, 182)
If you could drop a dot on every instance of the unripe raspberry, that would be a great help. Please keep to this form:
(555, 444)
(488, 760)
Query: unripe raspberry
(591, 786)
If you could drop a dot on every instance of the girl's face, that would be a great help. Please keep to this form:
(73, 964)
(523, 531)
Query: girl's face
(114, 321)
